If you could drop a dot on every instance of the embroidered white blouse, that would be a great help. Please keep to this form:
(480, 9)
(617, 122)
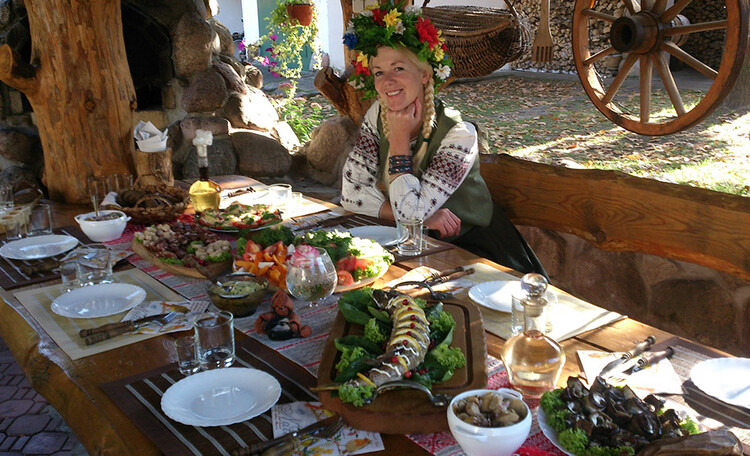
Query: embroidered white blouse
(410, 196)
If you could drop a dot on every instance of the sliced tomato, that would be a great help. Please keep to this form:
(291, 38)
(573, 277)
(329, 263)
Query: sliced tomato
(348, 263)
(344, 278)
(252, 247)
(362, 263)
(254, 256)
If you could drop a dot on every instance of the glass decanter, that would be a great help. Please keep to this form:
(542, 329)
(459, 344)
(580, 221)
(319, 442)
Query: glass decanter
(204, 193)
(533, 360)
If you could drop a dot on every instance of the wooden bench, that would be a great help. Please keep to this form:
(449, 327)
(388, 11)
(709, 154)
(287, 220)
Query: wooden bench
(618, 212)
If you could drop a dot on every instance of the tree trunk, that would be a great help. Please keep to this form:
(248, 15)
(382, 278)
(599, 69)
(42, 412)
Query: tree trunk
(80, 88)
(739, 98)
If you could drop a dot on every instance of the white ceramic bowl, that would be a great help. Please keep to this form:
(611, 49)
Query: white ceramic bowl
(103, 230)
(489, 441)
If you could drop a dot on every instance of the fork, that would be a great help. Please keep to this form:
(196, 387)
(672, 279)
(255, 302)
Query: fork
(438, 400)
(542, 46)
(288, 443)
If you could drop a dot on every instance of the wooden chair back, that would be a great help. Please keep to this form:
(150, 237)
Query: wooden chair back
(618, 212)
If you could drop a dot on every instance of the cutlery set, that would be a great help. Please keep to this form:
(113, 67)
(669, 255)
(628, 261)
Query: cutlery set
(614, 369)
(285, 444)
(108, 331)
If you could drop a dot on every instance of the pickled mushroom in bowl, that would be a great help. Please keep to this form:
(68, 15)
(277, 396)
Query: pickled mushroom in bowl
(490, 410)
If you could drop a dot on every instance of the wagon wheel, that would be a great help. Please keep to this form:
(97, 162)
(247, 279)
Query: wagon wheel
(646, 32)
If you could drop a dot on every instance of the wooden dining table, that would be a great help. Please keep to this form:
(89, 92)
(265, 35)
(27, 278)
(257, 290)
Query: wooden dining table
(74, 387)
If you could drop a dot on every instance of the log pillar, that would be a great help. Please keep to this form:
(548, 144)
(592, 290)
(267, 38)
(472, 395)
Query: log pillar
(79, 85)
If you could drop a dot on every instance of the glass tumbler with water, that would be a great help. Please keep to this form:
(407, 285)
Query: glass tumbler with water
(94, 264)
(410, 236)
(214, 332)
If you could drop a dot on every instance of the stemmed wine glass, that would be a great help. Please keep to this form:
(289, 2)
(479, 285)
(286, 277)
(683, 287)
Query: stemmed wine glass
(311, 275)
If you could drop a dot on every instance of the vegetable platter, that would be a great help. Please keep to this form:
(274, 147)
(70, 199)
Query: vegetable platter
(175, 247)
(400, 411)
(359, 262)
(238, 216)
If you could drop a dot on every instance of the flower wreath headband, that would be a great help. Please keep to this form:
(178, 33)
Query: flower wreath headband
(388, 24)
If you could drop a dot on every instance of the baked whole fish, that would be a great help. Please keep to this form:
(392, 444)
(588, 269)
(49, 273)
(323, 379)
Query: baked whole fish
(407, 345)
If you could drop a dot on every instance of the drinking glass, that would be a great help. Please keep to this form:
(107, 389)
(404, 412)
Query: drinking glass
(94, 264)
(6, 198)
(214, 332)
(410, 236)
(279, 194)
(69, 274)
(119, 182)
(187, 358)
(40, 220)
(12, 224)
(311, 275)
(97, 191)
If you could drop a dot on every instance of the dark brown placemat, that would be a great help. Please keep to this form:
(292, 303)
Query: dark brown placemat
(687, 355)
(430, 245)
(19, 273)
(139, 397)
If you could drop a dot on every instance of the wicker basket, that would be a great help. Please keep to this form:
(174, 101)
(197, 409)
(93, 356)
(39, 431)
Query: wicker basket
(172, 201)
(480, 40)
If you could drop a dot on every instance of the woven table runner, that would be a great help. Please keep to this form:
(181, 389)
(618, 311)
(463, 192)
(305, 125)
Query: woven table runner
(139, 397)
(64, 331)
(19, 273)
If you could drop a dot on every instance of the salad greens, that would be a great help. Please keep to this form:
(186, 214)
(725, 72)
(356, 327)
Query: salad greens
(357, 352)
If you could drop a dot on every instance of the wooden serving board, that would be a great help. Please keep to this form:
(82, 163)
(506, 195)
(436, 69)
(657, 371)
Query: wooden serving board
(409, 411)
(215, 269)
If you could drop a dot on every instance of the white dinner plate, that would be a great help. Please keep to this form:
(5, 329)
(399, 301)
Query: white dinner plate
(383, 235)
(727, 379)
(98, 300)
(496, 295)
(548, 432)
(220, 397)
(37, 247)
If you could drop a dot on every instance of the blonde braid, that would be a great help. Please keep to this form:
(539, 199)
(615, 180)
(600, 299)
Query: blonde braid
(428, 121)
(384, 121)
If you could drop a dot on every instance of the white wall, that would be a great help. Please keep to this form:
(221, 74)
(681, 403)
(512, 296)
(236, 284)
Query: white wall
(336, 28)
(230, 14)
(330, 21)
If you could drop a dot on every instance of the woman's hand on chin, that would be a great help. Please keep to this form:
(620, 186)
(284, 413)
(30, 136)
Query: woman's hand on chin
(402, 123)
(444, 221)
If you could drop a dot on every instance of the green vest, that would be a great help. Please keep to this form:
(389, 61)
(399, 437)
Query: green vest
(471, 201)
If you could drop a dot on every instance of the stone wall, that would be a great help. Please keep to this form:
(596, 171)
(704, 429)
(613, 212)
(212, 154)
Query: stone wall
(685, 299)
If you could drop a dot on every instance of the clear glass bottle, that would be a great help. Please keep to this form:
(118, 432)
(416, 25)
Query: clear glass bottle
(533, 360)
(204, 193)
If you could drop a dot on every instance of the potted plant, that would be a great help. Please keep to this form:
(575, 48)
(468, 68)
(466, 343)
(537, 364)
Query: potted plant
(301, 11)
(287, 39)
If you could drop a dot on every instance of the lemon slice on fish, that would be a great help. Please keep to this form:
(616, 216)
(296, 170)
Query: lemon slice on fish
(411, 316)
(412, 333)
(405, 340)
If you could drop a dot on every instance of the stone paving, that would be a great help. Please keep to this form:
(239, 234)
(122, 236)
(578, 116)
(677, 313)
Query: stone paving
(29, 425)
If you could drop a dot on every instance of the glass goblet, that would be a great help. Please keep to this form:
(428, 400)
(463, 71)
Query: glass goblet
(311, 275)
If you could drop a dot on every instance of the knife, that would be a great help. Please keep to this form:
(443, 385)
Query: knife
(260, 447)
(639, 348)
(653, 358)
(123, 324)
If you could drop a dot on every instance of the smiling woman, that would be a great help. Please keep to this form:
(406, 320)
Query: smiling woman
(416, 158)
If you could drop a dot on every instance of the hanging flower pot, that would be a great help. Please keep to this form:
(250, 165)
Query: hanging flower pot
(302, 13)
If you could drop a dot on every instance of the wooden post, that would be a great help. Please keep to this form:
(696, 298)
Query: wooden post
(79, 85)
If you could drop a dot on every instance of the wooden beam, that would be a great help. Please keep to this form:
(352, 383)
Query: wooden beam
(618, 212)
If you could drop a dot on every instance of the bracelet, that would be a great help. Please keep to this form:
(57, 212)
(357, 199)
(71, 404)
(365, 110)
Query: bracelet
(399, 160)
(399, 169)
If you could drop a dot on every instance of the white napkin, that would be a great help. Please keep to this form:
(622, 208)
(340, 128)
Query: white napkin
(110, 200)
(149, 138)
